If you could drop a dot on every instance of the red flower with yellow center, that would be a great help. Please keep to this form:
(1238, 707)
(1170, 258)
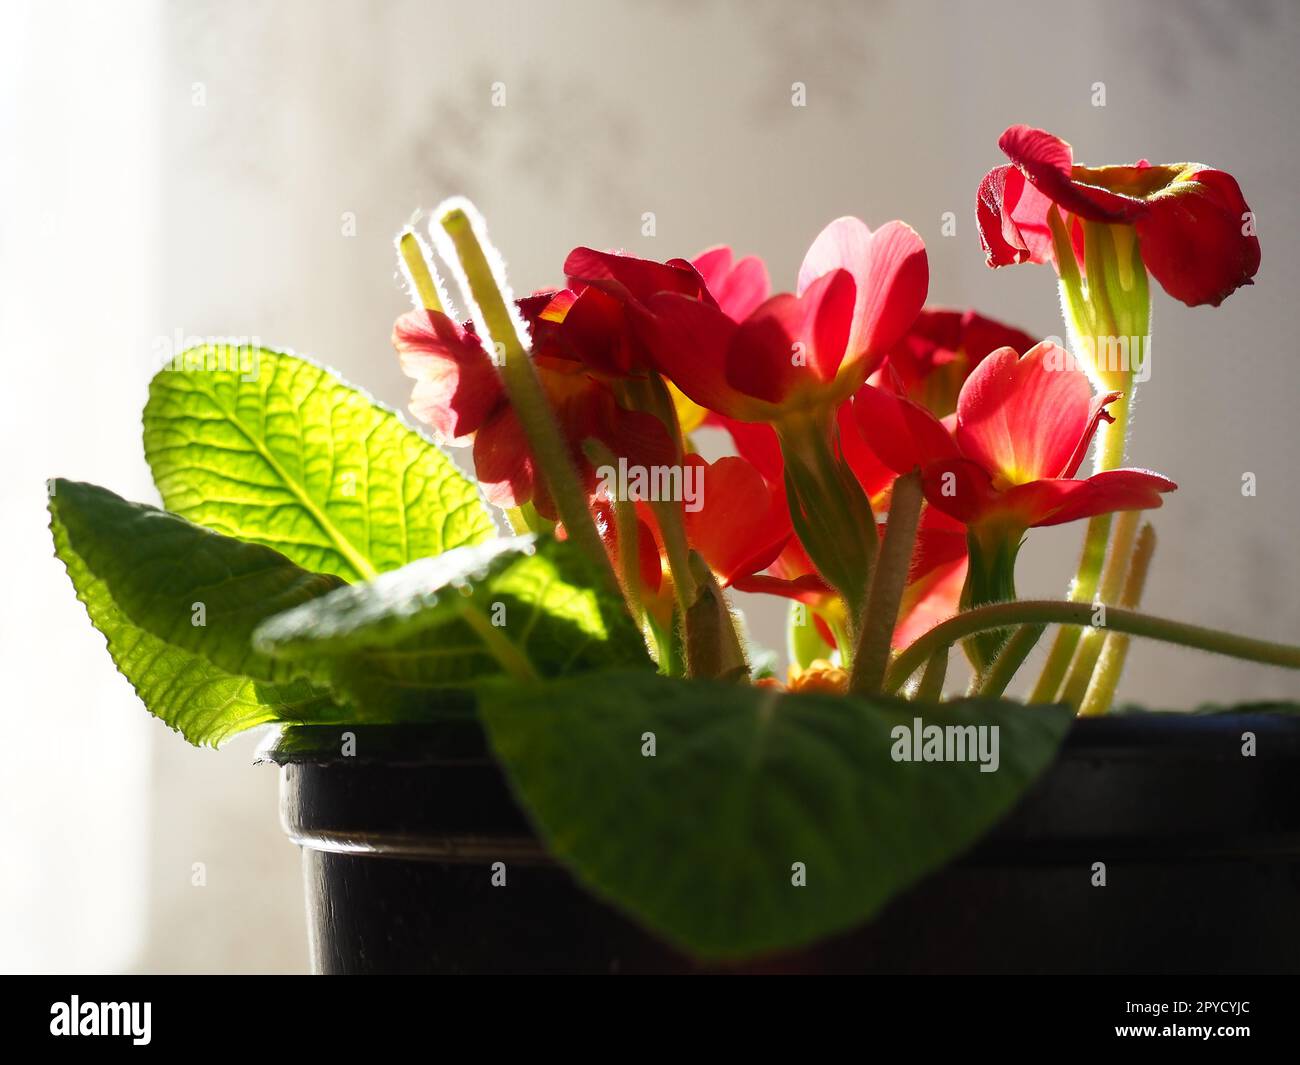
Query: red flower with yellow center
(1193, 228)
(1008, 462)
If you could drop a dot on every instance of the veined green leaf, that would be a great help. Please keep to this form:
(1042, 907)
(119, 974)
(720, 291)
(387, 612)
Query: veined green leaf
(758, 821)
(162, 566)
(524, 607)
(268, 447)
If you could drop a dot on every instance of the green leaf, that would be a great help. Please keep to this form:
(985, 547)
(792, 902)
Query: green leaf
(700, 841)
(139, 572)
(266, 446)
(522, 607)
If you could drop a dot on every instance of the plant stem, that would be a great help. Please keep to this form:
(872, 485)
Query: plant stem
(1114, 300)
(673, 530)
(512, 661)
(1059, 612)
(713, 647)
(842, 640)
(1110, 455)
(1112, 585)
(885, 592)
(629, 555)
(627, 536)
(487, 292)
(1114, 652)
(420, 275)
(1009, 660)
(930, 690)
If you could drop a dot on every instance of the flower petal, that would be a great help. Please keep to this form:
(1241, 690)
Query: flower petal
(688, 342)
(1195, 241)
(503, 464)
(871, 472)
(903, 434)
(457, 386)
(934, 584)
(793, 344)
(1012, 219)
(595, 332)
(892, 275)
(757, 443)
(743, 523)
(960, 488)
(627, 276)
(1057, 501)
(761, 359)
(932, 362)
(1023, 418)
(739, 287)
(1048, 163)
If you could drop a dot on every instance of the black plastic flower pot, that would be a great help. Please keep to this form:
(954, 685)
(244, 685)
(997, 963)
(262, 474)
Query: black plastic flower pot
(1198, 842)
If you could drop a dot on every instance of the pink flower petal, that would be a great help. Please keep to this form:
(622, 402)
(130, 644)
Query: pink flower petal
(1022, 418)
(892, 275)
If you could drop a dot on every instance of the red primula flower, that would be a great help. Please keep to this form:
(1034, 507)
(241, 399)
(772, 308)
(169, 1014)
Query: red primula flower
(1022, 428)
(857, 293)
(931, 363)
(458, 393)
(609, 289)
(1193, 226)
(605, 288)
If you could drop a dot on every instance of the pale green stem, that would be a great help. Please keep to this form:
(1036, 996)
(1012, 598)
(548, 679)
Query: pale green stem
(1012, 656)
(843, 641)
(885, 592)
(523, 388)
(508, 656)
(1105, 681)
(1060, 612)
(1112, 585)
(673, 530)
(1110, 456)
(930, 690)
(419, 273)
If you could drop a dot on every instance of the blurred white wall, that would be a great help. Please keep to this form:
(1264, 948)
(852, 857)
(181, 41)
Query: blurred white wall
(205, 155)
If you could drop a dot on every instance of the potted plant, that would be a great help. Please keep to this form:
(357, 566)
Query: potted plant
(556, 749)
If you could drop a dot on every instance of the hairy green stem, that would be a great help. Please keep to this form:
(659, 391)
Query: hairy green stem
(673, 530)
(1009, 660)
(419, 273)
(1114, 652)
(885, 592)
(1060, 612)
(1112, 585)
(1113, 300)
(523, 388)
(512, 661)
(930, 690)
(1110, 455)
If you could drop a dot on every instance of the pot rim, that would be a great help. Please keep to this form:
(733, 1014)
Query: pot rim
(1145, 786)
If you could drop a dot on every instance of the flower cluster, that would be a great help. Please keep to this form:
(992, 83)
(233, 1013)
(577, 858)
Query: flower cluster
(888, 456)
